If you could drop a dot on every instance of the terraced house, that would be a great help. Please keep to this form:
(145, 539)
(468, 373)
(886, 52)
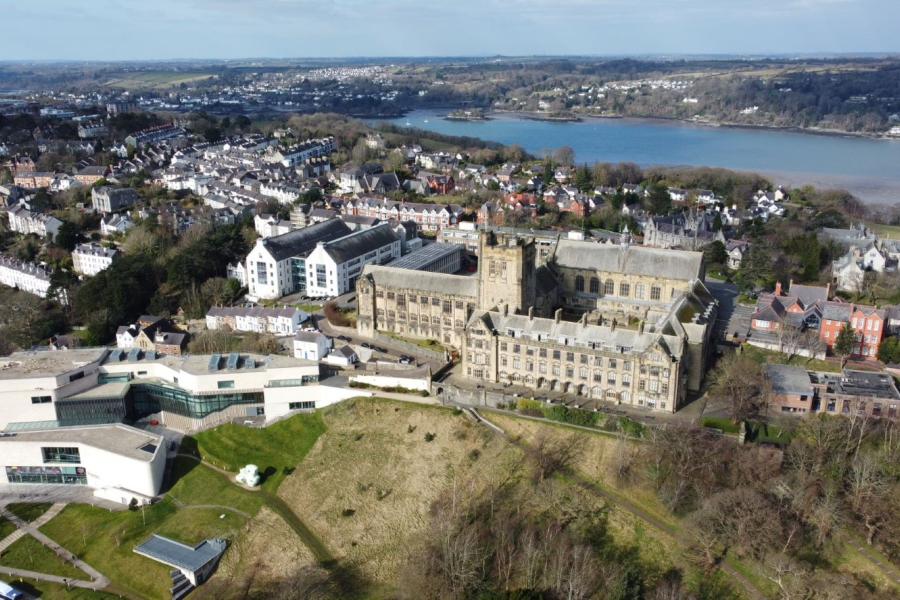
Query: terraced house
(429, 217)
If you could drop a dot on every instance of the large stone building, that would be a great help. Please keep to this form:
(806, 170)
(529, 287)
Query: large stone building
(637, 327)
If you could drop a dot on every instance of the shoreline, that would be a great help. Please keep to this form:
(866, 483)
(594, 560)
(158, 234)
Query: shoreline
(580, 118)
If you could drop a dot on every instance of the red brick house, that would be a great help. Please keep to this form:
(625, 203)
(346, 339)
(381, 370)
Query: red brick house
(867, 321)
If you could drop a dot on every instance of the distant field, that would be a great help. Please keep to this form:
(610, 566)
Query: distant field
(888, 231)
(156, 79)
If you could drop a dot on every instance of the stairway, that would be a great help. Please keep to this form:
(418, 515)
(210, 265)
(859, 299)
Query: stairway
(181, 586)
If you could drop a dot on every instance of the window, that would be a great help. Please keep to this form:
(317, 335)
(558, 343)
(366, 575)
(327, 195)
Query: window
(583, 372)
(570, 372)
(41, 399)
(655, 292)
(556, 354)
(261, 273)
(612, 363)
(579, 283)
(60, 455)
(624, 290)
(639, 291)
(225, 385)
(570, 356)
(447, 307)
(609, 288)
(595, 285)
(306, 405)
(435, 301)
(321, 280)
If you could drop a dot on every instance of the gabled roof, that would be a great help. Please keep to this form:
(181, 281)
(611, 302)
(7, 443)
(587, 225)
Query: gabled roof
(360, 242)
(303, 241)
(404, 279)
(633, 260)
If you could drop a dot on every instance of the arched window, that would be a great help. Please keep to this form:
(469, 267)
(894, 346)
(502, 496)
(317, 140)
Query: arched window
(579, 283)
(595, 285)
(639, 291)
(609, 288)
(596, 392)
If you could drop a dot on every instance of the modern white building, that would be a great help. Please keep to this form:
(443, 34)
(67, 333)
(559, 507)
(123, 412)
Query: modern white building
(278, 321)
(102, 385)
(27, 277)
(276, 266)
(312, 345)
(90, 259)
(333, 267)
(22, 220)
(119, 462)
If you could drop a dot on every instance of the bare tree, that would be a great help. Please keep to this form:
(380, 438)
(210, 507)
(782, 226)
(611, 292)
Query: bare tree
(739, 381)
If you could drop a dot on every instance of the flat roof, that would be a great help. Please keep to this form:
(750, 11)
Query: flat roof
(426, 256)
(790, 380)
(181, 556)
(48, 363)
(123, 440)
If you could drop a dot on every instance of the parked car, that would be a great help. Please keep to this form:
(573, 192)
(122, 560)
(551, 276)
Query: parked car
(405, 360)
(367, 345)
(345, 338)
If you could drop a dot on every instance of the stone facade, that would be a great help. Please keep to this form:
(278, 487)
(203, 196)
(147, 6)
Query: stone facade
(643, 338)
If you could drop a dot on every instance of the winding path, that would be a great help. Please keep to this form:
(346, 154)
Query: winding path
(98, 580)
(622, 502)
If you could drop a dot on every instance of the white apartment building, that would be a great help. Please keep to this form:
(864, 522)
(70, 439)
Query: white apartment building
(276, 266)
(279, 321)
(27, 277)
(312, 345)
(119, 462)
(333, 267)
(22, 220)
(90, 259)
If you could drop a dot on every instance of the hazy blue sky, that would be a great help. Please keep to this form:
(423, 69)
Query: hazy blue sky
(138, 29)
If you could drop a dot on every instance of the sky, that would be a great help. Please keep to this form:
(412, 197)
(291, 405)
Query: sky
(169, 29)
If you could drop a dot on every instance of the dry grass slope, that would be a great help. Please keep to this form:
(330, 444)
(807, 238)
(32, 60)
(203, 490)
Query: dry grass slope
(367, 486)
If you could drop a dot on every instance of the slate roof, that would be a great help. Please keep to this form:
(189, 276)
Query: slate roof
(182, 556)
(837, 311)
(302, 241)
(360, 242)
(404, 279)
(633, 260)
(575, 334)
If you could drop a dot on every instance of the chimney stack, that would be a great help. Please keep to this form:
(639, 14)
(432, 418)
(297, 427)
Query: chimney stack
(557, 316)
(777, 288)
(584, 320)
(505, 309)
(531, 313)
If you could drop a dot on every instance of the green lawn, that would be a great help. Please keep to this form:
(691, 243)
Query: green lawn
(275, 450)
(28, 553)
(886, 231)
(310, 308)
(6, 527)
(761, 355)
(432, 345)
(28, 511)
(106, 539)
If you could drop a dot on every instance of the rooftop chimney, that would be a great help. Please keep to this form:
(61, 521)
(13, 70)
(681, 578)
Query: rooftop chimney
(584, 319)
(531, 313)
(505, 309)
(777, 288)
(557, 316)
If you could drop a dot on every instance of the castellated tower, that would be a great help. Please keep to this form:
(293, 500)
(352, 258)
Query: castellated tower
(506, 273)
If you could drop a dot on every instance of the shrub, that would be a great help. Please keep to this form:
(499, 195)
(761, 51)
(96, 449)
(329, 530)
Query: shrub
(430, 436)
(530, 406)
(334, 315)
(348, 512)
(474, 454)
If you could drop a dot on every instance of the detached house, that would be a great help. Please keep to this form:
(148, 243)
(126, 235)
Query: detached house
(151, 333)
